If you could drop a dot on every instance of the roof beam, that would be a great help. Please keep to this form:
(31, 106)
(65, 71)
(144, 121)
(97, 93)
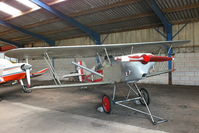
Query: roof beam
(53, 20)
(111, 6)
(168, 29)
(181, 8)
(84, 12)
(120, 30)
(110, 21)
(94, 35)
(40, 37)
(10, 42)
(44, 22)
(32, 10)
(161, 15)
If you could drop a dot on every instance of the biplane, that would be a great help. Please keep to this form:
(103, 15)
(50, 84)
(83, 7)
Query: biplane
(129, 63)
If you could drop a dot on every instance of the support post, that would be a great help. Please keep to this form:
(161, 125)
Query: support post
(38, 36)
(168, 28)
(93, 34)
(170, 52)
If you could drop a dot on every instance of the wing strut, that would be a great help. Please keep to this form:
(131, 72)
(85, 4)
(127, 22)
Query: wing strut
(52, 69)
(107, 55)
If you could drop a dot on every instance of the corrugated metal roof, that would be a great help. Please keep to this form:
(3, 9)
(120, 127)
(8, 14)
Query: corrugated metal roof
(103, 16)
(183, 15)
(124, 11)
(163, 4)
(3, 28)
(31, 18)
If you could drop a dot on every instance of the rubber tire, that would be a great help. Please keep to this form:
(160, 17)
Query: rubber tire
(25, 90)
(146, 95)
(106, 104)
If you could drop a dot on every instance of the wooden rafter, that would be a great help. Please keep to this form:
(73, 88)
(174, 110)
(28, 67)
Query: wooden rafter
(142, 15)
(85, 12)
(168, 10)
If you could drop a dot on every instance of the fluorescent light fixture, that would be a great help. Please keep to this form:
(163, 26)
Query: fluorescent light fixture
(28, 4)
(9, 9)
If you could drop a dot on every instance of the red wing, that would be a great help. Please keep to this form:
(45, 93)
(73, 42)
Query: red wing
(7, 47)
(39, 73)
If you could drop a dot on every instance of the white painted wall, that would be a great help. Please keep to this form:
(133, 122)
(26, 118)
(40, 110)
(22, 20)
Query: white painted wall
(187, 71)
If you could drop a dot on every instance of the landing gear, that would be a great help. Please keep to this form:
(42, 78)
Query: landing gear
(106, 104)
(24, 88)
(145, 95)
(142, 96)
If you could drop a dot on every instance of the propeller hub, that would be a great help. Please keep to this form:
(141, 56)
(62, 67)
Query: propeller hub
(24, 67)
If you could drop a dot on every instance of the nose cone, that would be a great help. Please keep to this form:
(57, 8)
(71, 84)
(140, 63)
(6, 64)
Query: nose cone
(146, 58)
(24, 67)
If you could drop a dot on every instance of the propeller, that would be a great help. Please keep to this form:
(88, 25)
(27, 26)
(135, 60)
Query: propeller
(27, 68)
(150, 58)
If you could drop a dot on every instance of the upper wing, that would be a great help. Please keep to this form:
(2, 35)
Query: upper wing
(91, 50)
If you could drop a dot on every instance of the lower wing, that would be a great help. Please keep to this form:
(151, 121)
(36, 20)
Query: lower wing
(158, 73)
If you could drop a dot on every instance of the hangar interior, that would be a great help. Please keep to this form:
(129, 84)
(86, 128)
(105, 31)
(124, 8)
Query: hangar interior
(44, 23)
(116, 21)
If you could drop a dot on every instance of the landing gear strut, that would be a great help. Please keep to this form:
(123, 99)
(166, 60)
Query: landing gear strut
(24, 88)
(142, 96)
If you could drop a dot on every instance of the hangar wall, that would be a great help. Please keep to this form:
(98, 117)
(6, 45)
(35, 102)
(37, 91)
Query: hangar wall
(187, 57)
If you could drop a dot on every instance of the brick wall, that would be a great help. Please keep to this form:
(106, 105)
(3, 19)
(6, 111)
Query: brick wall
(187, 71)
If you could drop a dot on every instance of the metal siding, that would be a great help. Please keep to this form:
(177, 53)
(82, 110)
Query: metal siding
(189, 33)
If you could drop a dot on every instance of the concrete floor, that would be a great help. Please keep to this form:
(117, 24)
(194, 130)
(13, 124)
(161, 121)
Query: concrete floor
(74, 110)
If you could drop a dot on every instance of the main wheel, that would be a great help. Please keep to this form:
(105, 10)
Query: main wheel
(25, 89)
(145, 95)
(106, 104)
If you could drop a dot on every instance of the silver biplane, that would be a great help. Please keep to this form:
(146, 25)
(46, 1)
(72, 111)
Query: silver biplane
(127, 63)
